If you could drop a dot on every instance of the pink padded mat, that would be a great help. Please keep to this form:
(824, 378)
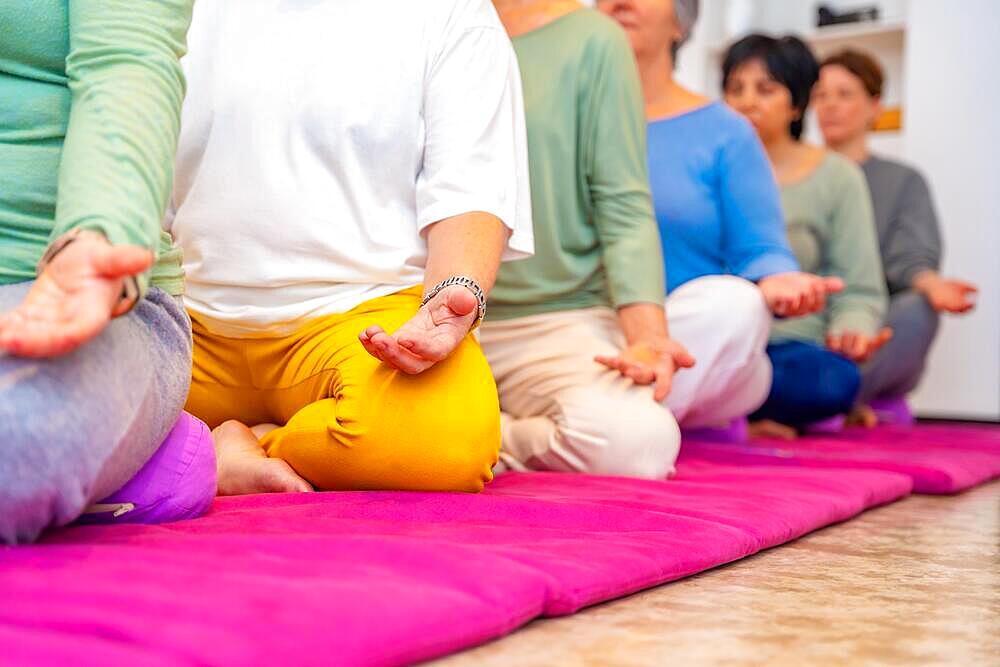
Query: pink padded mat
(393, 578)
(940, 458)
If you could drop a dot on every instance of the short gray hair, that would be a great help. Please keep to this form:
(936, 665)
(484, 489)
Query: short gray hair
(686, 12)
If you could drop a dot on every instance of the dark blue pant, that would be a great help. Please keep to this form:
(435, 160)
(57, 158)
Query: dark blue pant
(810, 384)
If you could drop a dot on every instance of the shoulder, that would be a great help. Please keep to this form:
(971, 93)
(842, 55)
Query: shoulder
(599, 34)
(452, 17)
(842, 173)
(732, 130)
(895, 173)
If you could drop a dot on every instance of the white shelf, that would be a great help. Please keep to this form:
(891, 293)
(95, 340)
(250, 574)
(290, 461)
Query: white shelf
(861, 35)
(869, 36)
(858, 32)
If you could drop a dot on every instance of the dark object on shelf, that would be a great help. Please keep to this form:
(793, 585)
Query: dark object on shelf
(827, 16)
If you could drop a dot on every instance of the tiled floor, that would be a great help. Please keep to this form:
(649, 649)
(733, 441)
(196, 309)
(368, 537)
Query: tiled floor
(914, 583)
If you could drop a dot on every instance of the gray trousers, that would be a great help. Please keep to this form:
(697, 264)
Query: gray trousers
(895, 370)
(76, 428)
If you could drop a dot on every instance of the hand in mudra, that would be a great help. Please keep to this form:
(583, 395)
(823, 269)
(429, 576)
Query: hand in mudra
(856, 346)
(795, 293)
(73, 299)
(951, 296)
(429, 336)
(651, 363)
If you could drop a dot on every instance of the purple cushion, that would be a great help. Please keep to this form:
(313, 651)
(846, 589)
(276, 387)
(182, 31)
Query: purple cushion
(892, 411)
(178, 482)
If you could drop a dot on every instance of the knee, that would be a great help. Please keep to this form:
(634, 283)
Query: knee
(838, 384)
(37, 488)
(911, 314)
(462, 447)
(739, 309)
(623, 434)
(439, 433)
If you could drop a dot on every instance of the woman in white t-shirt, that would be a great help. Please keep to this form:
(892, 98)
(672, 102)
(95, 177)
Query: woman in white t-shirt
(349, 177)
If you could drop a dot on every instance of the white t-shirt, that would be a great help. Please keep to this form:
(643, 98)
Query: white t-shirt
(320, 138)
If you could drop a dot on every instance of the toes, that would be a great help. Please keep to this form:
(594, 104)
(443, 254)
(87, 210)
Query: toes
(280, 478)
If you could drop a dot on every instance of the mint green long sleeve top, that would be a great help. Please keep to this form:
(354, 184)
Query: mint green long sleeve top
(90, 102)
(831, 228)
(596, 238)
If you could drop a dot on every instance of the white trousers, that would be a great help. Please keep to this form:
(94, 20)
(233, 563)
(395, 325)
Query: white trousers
(724, 323)
(563, 411)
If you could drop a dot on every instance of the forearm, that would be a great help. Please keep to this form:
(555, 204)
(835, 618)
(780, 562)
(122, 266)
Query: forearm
(470, 245)
(643, 323)
(117, 160)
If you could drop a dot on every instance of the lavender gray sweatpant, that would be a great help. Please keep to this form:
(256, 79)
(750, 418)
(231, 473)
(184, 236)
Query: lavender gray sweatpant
(76, 428)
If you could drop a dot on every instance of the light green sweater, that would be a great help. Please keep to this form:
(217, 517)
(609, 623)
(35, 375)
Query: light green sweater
(831, 228)
(90, 99)
(596, 240)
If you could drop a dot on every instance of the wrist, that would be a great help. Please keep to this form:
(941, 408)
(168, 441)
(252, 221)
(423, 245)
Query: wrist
(464, 282)
(925, 281)
(78, 238)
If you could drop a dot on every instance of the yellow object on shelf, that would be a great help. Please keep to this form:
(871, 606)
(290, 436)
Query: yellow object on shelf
(889, 120)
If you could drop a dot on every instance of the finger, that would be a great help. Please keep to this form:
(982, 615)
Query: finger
(640, 374)
(460, 301)
(966, 287)
(27, 339)
(847, 342)
(47, 338)
(796, 303)
(395, 356)
(664, 383)
(880, 339)
(807, 304)
(858, 347)
(834, 343)
(122, 260)
(683, 359)
(426, 346)
(613, 363)
(820, 302)
(369, 346)
(833, 285)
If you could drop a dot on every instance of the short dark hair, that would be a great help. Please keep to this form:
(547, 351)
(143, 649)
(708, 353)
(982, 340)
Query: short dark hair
(863, 66)
(789, 62)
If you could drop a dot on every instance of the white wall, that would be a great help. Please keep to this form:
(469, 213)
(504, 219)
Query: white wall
(952, 117)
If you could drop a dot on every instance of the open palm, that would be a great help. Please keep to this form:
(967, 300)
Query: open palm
(429, 336)
(72, 300)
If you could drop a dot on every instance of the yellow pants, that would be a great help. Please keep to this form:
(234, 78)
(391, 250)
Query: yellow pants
(349, 421)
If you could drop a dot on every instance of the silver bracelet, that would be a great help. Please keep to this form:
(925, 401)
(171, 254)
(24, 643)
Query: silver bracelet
(468, 283)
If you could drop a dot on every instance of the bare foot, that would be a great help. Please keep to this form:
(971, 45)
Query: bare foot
(245, 468)
(767, 428)
(862, 415)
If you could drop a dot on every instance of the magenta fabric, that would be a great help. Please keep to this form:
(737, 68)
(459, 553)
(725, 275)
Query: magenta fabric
(939, 458)
(178, 482)
(383, 578)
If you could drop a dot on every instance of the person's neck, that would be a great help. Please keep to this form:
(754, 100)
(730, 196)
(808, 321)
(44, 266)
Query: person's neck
(664, 97)
(781, 150)
(854, 149)
(657, 74)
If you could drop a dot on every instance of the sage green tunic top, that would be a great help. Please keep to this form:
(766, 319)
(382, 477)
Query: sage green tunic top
(596, 239)
(831, 228)
(90, 99)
